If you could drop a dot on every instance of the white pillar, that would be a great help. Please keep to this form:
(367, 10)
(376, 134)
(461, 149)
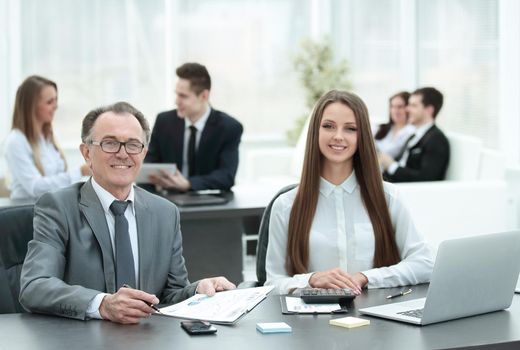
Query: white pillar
(509, 79)
(408, 44)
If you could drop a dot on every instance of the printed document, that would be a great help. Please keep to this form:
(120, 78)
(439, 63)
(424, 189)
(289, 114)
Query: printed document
(298, 306)
(224, 307)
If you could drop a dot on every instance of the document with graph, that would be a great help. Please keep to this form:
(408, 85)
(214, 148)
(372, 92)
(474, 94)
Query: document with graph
(224, 307)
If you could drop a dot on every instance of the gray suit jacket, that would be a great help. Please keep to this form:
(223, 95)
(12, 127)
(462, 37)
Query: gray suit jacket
(70, 259)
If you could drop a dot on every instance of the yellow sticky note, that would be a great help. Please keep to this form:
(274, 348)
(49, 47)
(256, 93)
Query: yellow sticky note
(349, 322)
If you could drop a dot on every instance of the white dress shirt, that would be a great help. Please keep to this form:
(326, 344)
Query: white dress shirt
(200, 126)
(106, 199)
(393, 143)
(26, 180)
(342, 236)
(419, 133)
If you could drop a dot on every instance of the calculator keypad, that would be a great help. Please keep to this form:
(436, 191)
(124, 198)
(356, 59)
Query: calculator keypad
(319, 295)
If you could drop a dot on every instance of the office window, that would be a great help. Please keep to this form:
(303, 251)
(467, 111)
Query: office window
(248, 47)
(458, 54)
(367, 34)
(99, 52)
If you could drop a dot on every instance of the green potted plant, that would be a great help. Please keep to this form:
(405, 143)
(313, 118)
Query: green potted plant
(319, 72)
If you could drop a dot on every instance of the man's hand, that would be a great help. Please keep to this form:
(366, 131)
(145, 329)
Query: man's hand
(127, 306)
(210, 286)
(385, 160)
(168, 179)
(336, 279)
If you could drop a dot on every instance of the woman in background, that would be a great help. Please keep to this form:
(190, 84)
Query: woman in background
(35, 161)
(392, 136)
(342, 227)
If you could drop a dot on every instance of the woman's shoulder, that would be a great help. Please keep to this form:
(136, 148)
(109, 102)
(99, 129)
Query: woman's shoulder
(391, 192)
(285, 200)
(16, 138)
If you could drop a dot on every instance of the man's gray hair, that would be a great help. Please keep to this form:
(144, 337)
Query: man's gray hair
(117, 108)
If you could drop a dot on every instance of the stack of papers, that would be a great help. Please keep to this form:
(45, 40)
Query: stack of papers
(224, 307)
(298, 306)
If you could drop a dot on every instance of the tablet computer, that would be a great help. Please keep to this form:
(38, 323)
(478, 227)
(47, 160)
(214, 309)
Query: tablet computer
(154, 168)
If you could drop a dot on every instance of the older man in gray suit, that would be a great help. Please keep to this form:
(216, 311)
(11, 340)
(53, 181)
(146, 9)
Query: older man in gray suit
(106, 249)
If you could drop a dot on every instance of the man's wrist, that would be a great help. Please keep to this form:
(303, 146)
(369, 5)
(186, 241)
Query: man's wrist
(95, 306)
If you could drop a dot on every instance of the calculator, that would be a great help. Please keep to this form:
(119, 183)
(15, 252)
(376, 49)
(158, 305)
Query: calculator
(326, 296)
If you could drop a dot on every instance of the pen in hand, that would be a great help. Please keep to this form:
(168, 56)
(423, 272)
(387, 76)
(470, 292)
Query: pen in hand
(400, 294)
(151, 305)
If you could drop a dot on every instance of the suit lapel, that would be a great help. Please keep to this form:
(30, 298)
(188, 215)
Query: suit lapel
(207, 138)
(177, 140)
(145, 237)
(426, 137)
(93, 211)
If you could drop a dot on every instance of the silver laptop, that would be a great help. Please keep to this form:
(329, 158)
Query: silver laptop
(471, 276)
(517, 290)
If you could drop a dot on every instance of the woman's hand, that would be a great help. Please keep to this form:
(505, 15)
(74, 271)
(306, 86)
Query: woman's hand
(337, 279)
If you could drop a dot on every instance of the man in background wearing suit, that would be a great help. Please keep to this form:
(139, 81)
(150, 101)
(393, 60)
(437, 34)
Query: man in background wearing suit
(426, 155)
(202, 141)
(104, 248)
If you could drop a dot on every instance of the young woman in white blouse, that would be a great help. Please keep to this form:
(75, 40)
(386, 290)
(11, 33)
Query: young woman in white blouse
(35, 161)
(342, 227)
(391, 137)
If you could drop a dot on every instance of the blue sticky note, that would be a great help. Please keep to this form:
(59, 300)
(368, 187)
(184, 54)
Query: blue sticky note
(273, 327)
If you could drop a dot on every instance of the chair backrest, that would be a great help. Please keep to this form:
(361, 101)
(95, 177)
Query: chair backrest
(464, 157)
(16, 231)
(263, 237)
(492, 165)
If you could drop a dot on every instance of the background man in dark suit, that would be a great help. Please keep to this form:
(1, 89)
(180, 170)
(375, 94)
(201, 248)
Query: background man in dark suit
(426, 155)
(91, 239)
(202, 141)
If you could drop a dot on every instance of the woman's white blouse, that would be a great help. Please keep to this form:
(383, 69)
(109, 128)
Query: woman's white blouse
(342, 236)
(26, 180)
(393, 144)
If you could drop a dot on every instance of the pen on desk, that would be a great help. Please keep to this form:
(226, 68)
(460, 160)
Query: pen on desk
(400, 294)
(151, 305)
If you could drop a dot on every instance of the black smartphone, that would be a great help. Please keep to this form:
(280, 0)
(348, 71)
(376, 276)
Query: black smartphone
(198, 327)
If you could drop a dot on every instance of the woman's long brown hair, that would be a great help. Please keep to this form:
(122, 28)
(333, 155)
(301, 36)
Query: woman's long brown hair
(368, 177)
(24, 112)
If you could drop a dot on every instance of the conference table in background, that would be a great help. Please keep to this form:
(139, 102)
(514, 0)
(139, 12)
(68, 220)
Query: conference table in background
(497, 330)
(212, 234)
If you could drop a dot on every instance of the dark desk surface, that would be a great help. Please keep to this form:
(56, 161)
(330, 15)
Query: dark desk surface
(502, 328)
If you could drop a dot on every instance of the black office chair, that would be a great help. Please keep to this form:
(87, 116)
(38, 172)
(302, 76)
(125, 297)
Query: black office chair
(16, 230)
(263, 240)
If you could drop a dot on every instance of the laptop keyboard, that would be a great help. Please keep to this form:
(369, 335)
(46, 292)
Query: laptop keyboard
(412, 313)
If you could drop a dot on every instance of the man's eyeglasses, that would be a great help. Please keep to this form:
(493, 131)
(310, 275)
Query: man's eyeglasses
(113, 146)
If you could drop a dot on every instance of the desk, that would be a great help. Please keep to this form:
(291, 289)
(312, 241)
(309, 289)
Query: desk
(212, 234)
(501, 329)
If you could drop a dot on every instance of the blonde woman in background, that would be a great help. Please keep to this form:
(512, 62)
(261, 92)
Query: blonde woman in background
(36, 163)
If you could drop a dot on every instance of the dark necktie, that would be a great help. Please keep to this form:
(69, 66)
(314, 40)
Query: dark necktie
(191, 151)
(405, 147)
(125, 271)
